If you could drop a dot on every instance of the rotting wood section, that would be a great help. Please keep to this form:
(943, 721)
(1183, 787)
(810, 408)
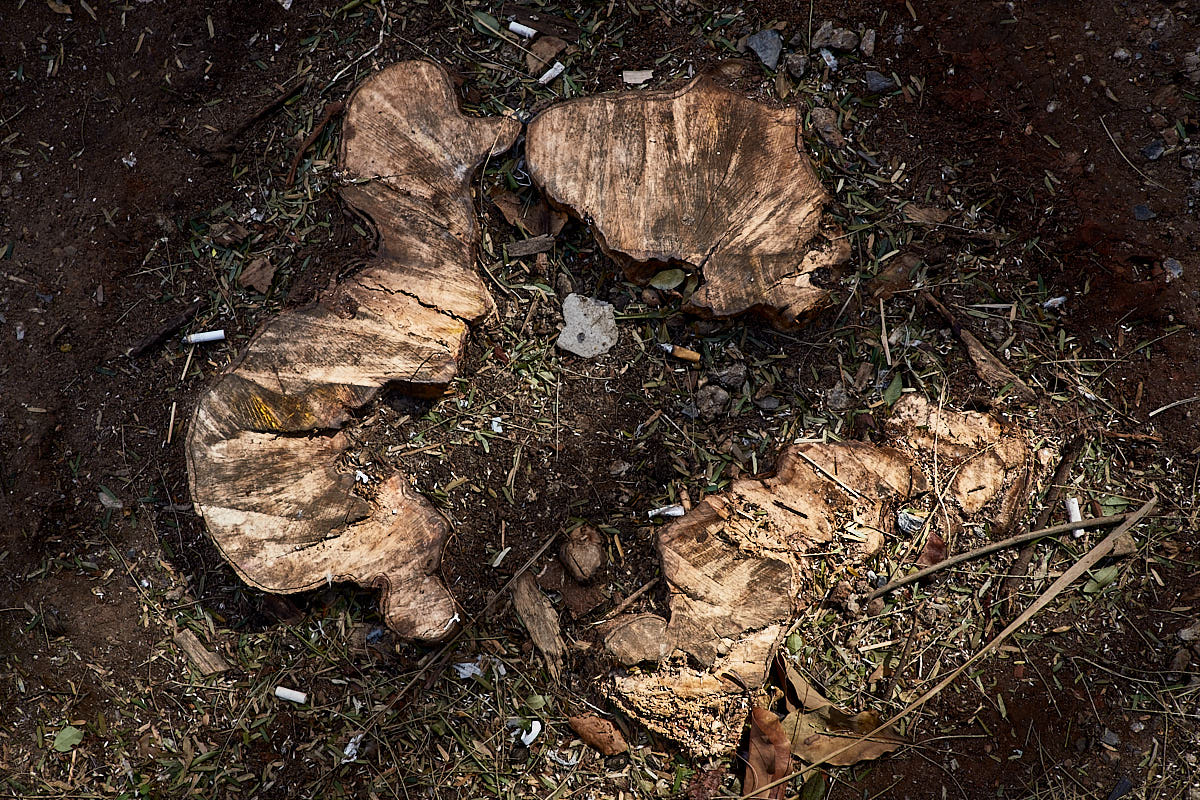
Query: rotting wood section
(701, 177)
(735, 563)
(263, 449)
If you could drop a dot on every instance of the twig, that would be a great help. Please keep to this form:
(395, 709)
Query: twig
(330, 110)
(1168, 406)
(1062, 473)
(829, 474)
(628, 601)
(1070, 576)
(164, 331)
(1121, 153)
(1094, 522)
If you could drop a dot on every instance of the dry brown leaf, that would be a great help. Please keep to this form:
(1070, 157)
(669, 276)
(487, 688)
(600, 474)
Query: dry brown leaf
(925, 215)
(599, 733)
(542, 52)
(535, 218)
(991, 369)
(769, 757)
(258, 274)
(817, 735)
(934, 551)
(805, 695)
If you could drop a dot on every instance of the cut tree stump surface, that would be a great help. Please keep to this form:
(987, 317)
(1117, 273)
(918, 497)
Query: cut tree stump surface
(699, 176)
(263, 450)
(735, 564)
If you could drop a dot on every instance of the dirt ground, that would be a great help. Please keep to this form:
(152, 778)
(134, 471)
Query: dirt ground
(144, 148)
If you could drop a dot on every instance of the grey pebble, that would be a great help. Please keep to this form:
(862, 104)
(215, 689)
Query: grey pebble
(867, 45)
(1142, 213)
(767, 45)
(591, 326)
(711, 401)
(731, 376)
(1154, 150)
(797, 65)
(1174, 268)
(877, 82)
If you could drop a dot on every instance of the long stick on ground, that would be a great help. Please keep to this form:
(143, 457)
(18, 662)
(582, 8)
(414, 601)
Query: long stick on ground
(979, 552)
(1070, 576)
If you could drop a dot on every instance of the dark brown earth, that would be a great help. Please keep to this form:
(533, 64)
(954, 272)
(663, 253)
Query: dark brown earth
(95, 254)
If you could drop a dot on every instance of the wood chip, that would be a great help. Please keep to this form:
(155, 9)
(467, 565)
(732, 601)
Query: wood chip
(540, 619)
(204, 660)
(599, 733)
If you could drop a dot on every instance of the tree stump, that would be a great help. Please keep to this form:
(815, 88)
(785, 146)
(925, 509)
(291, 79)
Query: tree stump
(263, 449)
(699, 177)
(735, 564)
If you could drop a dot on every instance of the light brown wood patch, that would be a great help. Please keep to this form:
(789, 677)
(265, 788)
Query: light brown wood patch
(262, 448)
(701, 177)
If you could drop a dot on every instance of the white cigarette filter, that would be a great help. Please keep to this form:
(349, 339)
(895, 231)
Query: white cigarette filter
(206, 336)
(291, 695)
(522, 30)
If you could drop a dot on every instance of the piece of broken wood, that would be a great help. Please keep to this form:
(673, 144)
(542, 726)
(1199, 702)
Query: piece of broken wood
(541, 620)
(599, 734)
(204, 660)
(990, 369)
(701, 177)
(264, 453)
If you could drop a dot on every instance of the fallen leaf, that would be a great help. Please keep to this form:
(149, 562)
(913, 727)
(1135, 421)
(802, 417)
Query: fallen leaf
(67, 738)
(258, 274)
(802, 691)
(667, 279)
(817, 735)
(925, 215)
(58, 8)
(535, 218)
(542, 52)
(769, 757)
(934, 551)
(599, 733)
(228, 234)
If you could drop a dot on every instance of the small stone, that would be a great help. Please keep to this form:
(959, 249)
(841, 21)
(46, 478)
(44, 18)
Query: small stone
(1121, 54)
(823, 36)
(591, 326)
(711, 401)
(1154, 150)
(797, 65)
(1173, 269)
(768, 403)
(731, 376)
(1142, 213)
(878, 83)
(825, 120)
(867, 45)
(766, 44)
(563, 285)
(834, 38)
(583, 553)
(1110, 738)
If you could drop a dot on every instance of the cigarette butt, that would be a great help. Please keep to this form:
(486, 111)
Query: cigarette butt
(522, 30)
(284, 693)
(552, 73)
(1074, 515)
(206, 336)
(681, 353)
